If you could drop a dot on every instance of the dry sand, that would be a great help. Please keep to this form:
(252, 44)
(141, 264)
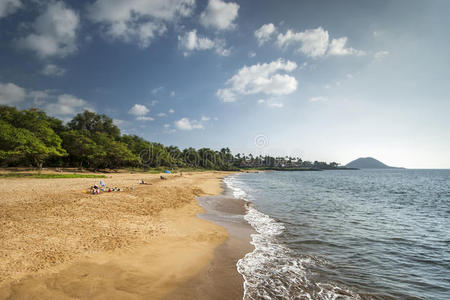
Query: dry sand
(58, 243)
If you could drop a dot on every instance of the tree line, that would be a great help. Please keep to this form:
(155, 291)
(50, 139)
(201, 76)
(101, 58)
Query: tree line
(30, 137)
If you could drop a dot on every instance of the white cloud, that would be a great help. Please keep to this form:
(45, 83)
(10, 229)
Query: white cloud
(66, 104)
(264, 33)
(39, 97)
(186, 124)
(220, 15)
(8, 7)
(261, 101)
(226, 95)
(161, 114)
(318, 99)
(144, 118)
(138, 20)
(53, 70)
(337, 47)
(172, 94)
(315, 43)
(140, 111)
(55, 32)
(171, 111)
(380, 55)
(190, 42)
(205, 118)
(11, 94)
(260, 78)
(251, 54)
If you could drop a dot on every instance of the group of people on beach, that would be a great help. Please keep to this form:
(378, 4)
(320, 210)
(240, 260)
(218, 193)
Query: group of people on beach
(97, 189)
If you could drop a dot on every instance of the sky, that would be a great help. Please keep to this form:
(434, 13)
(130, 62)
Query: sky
(322, 80)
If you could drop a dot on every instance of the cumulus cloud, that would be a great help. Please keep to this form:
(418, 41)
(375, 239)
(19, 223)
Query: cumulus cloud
(265, 33)
(8, 7)
(66, 104)
(136, 20)
(187, 124)
(337, 47)
(226, 95)
(140, 111)
(145, 118)
(162, 115)
(53, 104)
(171, 111)
(55, 32)
(53, 70)
(191, 42)
(220, 15)
(260, 79)
(11, 94)
(316, 43)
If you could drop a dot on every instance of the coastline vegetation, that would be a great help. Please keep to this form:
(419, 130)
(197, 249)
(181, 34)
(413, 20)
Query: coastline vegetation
(92, 141)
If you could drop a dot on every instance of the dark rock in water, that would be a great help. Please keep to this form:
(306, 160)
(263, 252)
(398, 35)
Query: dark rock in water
(368, 163)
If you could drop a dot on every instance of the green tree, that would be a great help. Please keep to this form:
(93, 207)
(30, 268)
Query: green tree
(93, 123)
(35, 140)
(80, 147)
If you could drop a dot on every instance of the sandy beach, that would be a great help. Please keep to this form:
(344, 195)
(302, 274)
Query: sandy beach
(141, 243)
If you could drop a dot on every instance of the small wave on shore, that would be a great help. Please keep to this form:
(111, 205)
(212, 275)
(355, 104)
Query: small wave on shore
(273, 271)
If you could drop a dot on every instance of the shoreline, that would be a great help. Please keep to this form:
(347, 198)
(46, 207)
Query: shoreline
(146, 242)
(221, 279)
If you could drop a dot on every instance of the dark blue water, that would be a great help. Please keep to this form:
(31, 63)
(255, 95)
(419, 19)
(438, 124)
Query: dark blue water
(382, 234)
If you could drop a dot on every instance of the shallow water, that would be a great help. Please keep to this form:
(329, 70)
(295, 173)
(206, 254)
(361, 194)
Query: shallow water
(368, 234)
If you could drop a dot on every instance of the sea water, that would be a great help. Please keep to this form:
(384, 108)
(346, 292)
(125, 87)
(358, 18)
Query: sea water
(360, 234)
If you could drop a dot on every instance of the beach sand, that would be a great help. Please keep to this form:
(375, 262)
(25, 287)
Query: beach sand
(145, 243)
(221, 280)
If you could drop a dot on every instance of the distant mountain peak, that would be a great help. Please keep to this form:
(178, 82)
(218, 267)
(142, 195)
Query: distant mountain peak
(367, 163)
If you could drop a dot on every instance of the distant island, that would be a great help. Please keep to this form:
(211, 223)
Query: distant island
(368, 163)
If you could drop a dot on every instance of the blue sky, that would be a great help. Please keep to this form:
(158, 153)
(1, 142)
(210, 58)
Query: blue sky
(324, 80)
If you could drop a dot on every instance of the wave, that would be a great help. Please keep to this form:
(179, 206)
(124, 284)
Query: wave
(273, 271)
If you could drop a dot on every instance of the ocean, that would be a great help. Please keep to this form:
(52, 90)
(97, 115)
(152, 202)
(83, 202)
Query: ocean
(362, 234)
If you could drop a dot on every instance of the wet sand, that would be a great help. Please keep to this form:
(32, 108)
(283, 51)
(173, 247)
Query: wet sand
(220, 280)
(143, 243)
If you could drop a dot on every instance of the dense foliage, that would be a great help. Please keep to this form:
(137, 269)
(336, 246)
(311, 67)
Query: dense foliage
(90, 140)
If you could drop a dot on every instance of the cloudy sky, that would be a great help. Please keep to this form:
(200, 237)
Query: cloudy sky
(324, 80)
